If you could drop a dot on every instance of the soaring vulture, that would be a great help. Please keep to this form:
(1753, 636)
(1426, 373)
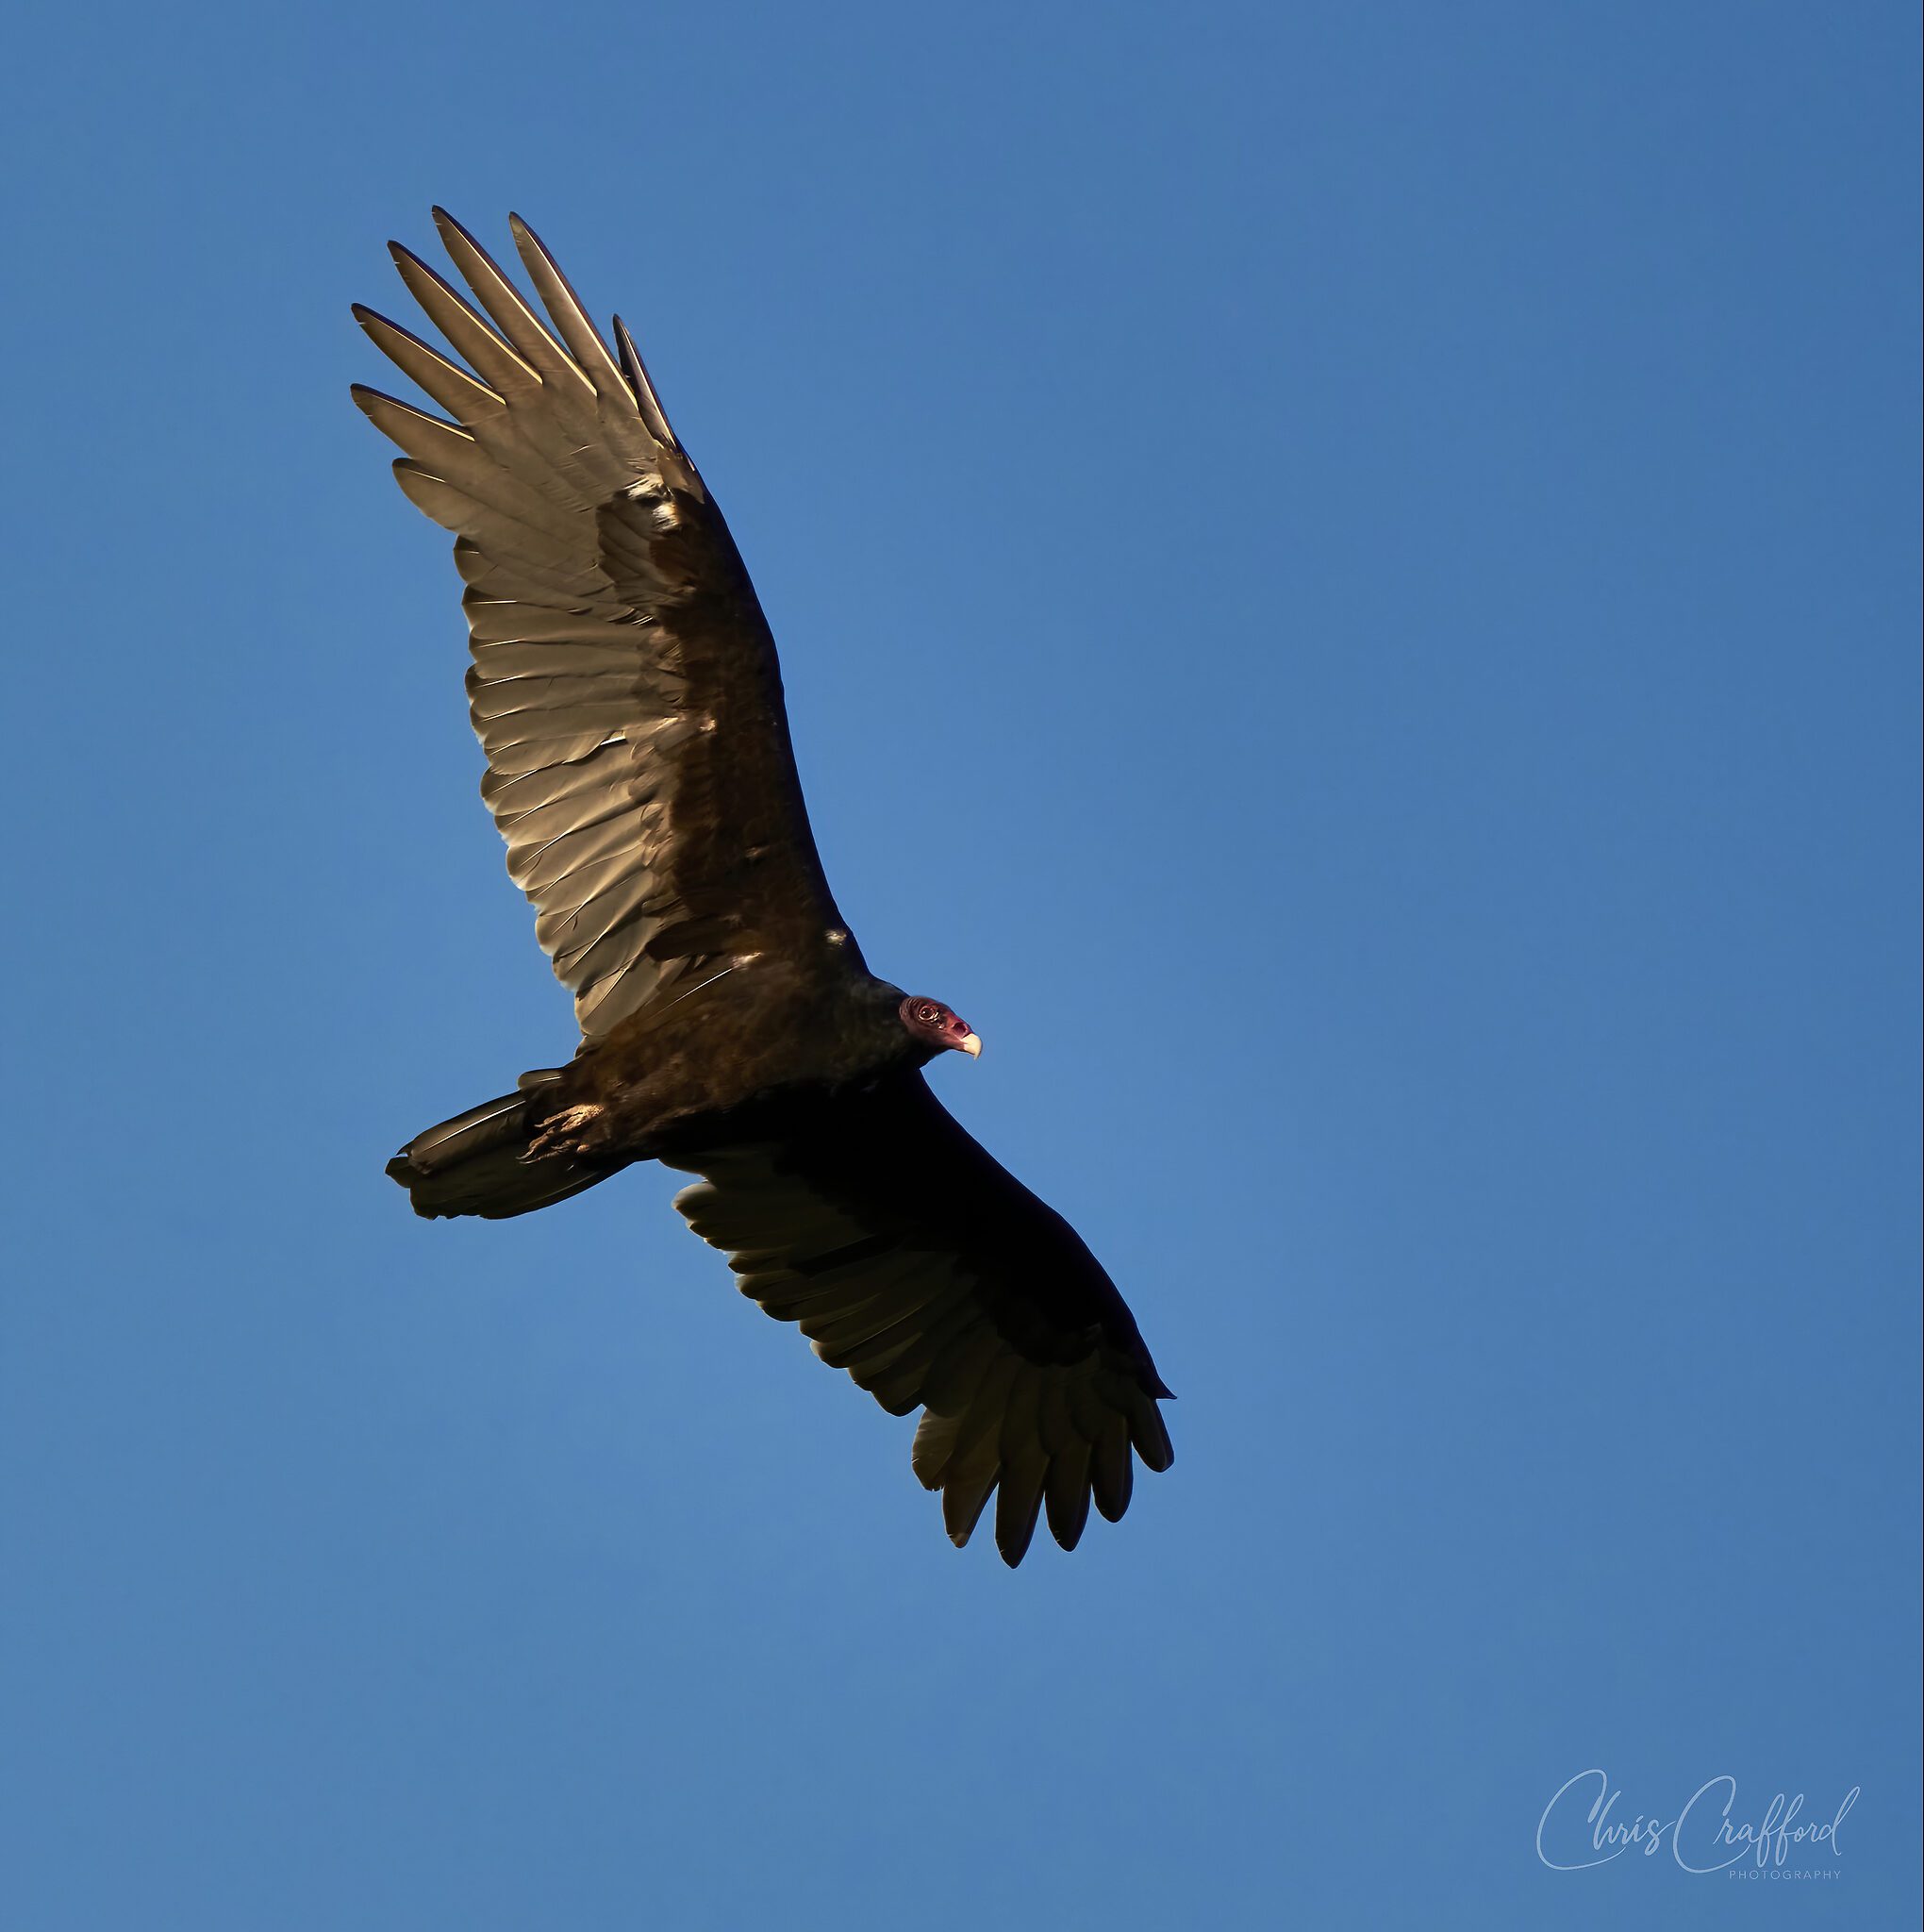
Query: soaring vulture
(626, 693)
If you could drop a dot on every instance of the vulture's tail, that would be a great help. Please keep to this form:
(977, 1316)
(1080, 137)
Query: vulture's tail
(479, 1163)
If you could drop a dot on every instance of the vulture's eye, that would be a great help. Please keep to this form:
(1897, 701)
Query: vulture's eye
(928, 1014)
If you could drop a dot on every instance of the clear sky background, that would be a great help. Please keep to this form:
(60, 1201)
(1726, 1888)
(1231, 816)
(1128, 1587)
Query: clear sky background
(1347, 577)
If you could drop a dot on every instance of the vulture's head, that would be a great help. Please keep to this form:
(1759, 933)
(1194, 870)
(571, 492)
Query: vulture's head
(933, 1026)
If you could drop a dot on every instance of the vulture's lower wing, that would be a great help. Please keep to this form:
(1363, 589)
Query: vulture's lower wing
(919, 1264)
(624, 685)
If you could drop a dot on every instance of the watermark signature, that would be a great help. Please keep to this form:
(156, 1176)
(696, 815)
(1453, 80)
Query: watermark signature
(1579, 1831)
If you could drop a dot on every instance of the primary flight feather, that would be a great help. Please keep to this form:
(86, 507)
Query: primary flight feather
(626, 692)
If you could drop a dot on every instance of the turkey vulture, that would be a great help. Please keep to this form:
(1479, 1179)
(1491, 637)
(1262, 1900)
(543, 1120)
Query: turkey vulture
(626, 693)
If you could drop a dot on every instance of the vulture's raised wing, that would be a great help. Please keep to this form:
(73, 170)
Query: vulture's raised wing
(624, 685)
(916, 1262)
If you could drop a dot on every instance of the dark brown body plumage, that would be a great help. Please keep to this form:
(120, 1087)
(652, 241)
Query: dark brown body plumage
(691, 1070)
(628, 695)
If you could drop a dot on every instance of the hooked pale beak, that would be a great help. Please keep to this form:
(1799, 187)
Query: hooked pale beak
(970, 1043)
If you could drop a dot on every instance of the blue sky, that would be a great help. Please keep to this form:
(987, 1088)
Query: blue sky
(1348, 583)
